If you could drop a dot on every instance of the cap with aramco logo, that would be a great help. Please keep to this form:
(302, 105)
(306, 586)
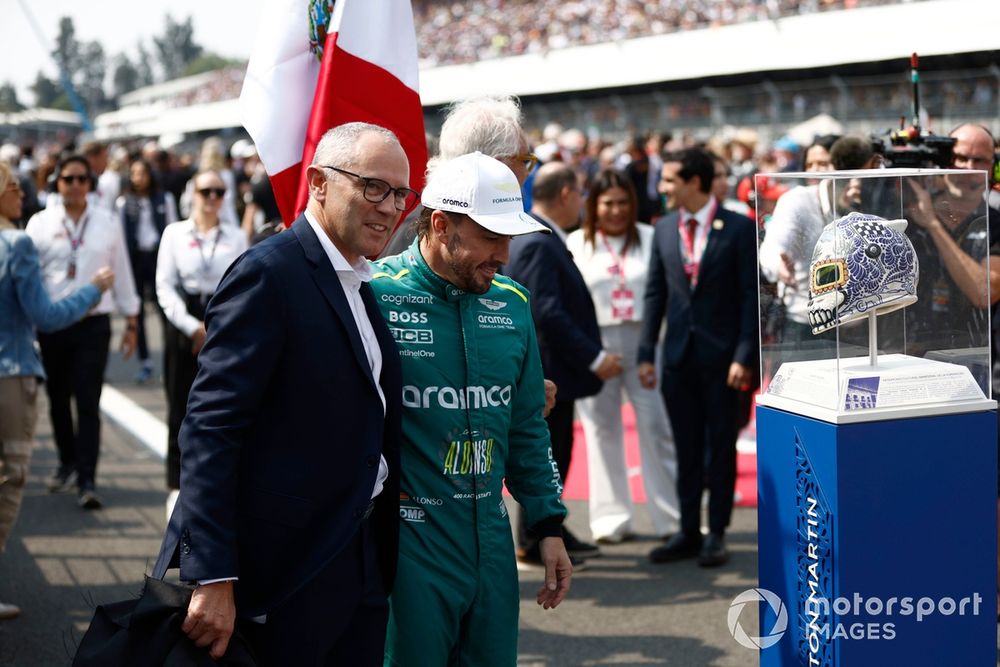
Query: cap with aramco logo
(483, 189)
(757, 595)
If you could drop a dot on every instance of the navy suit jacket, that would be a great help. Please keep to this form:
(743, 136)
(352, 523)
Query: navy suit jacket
(130, 218)
(719, 316)
(280, 445)
(568, 336)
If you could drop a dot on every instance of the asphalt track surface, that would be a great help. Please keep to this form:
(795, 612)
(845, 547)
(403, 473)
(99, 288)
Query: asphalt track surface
(622, 610)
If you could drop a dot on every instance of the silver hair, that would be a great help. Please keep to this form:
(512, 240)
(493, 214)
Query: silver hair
(489, 124)
(6, 176)
(10, 153)
(338, 144)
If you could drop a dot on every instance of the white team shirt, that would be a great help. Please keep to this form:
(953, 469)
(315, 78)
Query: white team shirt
(195, 262)
(101, 243)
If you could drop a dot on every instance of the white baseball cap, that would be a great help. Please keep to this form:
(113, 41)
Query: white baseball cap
(484, 189)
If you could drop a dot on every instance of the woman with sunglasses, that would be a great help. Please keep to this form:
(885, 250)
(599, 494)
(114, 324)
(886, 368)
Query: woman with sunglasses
(145, 211)
(193, 255)
(25, 306)
(612, 251)
(74, 238)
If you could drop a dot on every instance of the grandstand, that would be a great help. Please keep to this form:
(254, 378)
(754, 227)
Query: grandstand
(453, 33)
(693, 66)
(851, 63)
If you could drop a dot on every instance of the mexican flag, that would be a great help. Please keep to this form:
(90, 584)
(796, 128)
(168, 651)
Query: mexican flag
(319, 63)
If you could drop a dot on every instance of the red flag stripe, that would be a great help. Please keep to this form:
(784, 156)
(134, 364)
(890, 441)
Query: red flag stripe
(285, 185)
(352, 89)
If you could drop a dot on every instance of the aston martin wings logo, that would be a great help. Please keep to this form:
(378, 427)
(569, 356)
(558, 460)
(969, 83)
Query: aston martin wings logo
(493, 305)
(507, 187)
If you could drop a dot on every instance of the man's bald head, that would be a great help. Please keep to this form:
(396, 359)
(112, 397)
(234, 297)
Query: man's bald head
(550, 179)
(974, 146)
(556, 194)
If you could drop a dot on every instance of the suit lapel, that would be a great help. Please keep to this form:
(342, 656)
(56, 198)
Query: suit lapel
(554, 238)
(385, 340)
(715, 242)
(329, 285)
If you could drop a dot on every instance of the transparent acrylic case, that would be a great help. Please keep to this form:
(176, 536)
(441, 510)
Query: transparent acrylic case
(868, 319)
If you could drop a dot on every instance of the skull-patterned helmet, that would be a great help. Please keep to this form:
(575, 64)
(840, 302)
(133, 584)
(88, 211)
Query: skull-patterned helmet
(861, 263)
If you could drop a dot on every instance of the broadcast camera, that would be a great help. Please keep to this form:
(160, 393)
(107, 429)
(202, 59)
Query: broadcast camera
(911, 147)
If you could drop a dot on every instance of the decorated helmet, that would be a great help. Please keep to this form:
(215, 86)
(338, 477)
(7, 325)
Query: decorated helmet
(861, 263)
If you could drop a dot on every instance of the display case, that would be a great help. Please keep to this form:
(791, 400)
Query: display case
(874, 293)
(875, 419)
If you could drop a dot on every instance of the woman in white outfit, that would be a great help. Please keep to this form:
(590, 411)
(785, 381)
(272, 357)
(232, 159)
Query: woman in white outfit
(193, 256)
(612, 251)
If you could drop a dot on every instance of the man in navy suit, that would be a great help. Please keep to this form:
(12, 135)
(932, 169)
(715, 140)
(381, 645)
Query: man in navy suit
(703, 276)
(568, 336)
(289, 504)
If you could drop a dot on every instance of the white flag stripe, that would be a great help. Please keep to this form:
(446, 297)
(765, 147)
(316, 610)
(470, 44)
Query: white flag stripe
(282, 67)
(366, 37)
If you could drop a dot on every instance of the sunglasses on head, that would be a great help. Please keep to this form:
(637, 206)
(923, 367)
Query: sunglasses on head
(208, 192)
(74, 178)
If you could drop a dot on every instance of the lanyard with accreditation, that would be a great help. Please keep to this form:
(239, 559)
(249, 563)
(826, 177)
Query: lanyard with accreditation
(75, 242)
(622, 298)
(206, 263)
(693, 248)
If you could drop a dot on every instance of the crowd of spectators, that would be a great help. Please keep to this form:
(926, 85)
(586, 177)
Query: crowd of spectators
(226, 84)
(173, 168)
(451, 32)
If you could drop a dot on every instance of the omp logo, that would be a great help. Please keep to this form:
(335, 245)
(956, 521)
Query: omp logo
(455, 202)
(414, 336)
(493, 305)
(756, 595)
(407, 317)
(451, 398)
(494, 320)
(412, 514)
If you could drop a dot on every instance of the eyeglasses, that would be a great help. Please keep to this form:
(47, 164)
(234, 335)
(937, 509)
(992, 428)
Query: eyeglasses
(972, 161)
(69, 179)
(209, 192)
(528, 159)
(377, 191)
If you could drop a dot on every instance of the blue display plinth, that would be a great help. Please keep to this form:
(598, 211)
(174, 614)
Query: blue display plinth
(880, 538)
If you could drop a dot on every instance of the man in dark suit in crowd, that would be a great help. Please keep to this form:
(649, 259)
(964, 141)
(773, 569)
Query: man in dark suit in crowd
(289, 505)
(703, 276)
(568, 336)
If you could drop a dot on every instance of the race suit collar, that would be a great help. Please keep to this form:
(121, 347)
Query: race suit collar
(434, 283)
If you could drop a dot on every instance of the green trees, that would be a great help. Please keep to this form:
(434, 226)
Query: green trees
(99, 80)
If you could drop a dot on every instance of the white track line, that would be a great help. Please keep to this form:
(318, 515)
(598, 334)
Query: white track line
(139, 423)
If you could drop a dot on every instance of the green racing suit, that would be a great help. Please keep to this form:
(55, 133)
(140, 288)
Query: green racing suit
(472, 421)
